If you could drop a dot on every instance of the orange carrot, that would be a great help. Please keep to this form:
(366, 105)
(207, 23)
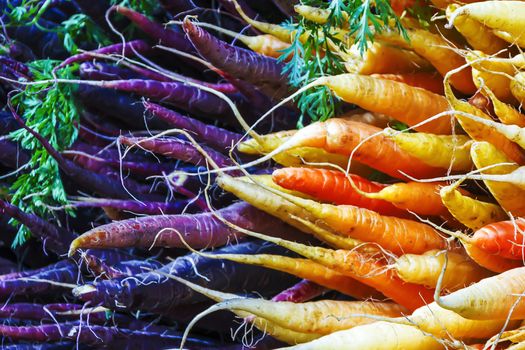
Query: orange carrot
(333, 186)
(426, 80)
(505, 239)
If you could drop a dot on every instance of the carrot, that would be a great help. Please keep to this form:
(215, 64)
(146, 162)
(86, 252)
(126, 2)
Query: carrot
(495, 75)
(443, 151)
(265, 44)
(376, 150)
(517, 87)
(362, 116)
(476, 33)
(437, 51)
(297, 156)
(479, 131)
(373, 336)
(430, 81)
(305, 268)
(333, 187)
(493, 298)
(508, 195)
(469, 211)
(394, 234)
(503, 238)
(382, 58)
(266, 180)
(505, 112)
(324, 316)
(304, 290)
(317, 15)
(284, 334)
(419, 197)
(405, 103)
(360, 266)
(425, 269)
(504, 16)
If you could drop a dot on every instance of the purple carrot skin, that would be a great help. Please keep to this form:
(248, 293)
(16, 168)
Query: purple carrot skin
(182, 96)
(63, 345)
(286, 6)
(19, 67)
(54, 238)
(129, 268)
(104, 71)
(40, 312)
(175, 206)
(262, 71)
(156, 31)
(210, 134)
(128, 49)
(154, 292)
(302, 291)
(107, 153)
(87, 334)
(12, 156)
(199, 230)
(99, 123)
(118, 106)
(7, 266)
(7, 123)
(105, 185)
(177, 149)
(14, 275)
(67, 274)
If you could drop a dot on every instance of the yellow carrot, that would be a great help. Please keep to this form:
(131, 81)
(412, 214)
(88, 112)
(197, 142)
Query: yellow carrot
(437, 51)
(508, 196)
(479, 131)
(517, 87)
(374, 336)
(504, 16)
(425, 269)
(478, 36)
(493, 74)
(469, 211)
(505, 112)
(444, 151)
(493, 298)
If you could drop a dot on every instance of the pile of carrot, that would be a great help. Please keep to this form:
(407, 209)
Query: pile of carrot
(191, 191)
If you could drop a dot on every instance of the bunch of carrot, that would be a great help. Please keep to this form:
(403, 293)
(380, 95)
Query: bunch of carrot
(349, 233)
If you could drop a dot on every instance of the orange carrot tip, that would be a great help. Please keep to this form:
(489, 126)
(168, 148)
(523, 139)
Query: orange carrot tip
(444, 151)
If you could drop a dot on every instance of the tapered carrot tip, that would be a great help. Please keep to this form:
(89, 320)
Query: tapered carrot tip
(84, 291)
(90, 239)
(73, 247)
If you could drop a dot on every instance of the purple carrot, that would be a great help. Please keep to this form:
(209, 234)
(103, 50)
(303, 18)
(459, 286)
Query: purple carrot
(12, 155)
(107, 153)
(177, 149)
(15, 275)
(210, 134)
(40, 283)
(54, 238)
(128, 49)
(262, 71)
(101, 269)
(104, 71)
(99, 123)
(65, 345)
(40, 312)
(105, 185)
(286, 6)
(176, 206)
(156, 31)
(20, 51)
(87, 334)
(19, 67)
(180, 95)
(175, 7)
(7, 266)
(199, 230)
(302, 291)
(154, 292)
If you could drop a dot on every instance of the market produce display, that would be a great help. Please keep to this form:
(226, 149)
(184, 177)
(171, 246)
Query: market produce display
(274, 174)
